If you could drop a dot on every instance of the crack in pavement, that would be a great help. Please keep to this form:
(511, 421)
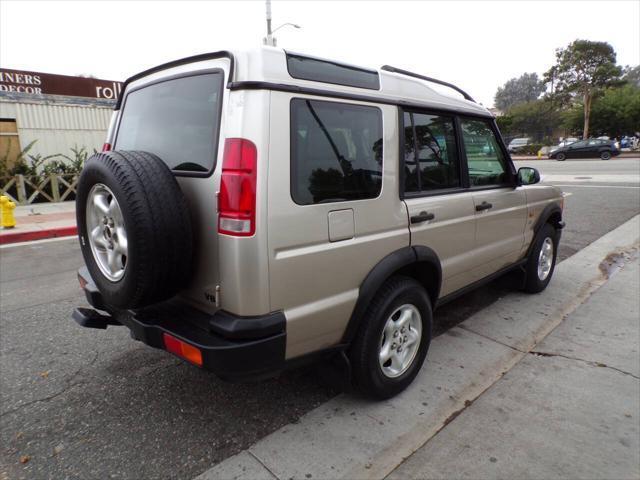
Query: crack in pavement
(588, 362)
(69, 385)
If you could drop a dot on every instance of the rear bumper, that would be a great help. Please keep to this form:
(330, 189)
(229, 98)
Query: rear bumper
(232, 347)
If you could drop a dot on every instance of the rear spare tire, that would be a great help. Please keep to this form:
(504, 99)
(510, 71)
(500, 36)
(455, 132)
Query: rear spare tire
(134, 228)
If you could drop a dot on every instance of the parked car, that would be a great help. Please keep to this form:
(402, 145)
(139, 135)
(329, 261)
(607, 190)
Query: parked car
(564, 143)
(591, 148)
(518, 144)
(252, 211)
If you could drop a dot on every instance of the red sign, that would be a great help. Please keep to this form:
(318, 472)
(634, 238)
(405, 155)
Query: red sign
(36, 83)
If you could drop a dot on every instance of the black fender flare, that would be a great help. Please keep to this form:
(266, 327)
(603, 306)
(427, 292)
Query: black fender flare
(545, 215)
(393, 262)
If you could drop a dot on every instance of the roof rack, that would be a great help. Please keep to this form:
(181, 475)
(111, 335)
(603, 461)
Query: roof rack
(389, 68)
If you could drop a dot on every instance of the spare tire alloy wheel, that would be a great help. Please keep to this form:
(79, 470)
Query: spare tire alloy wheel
(106, 231)
(134, 228)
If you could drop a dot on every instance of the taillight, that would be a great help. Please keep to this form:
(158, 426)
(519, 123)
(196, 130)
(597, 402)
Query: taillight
(106, 147)
(237, 199)
(182, 349)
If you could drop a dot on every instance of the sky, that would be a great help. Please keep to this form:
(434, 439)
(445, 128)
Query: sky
(478, 45)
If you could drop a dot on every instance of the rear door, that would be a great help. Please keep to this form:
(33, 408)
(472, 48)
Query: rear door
(500, 207)
(577, 149)
(176, 114)
(441, 209)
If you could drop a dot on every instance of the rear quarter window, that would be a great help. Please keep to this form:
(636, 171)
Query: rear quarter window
(177, 119)
(336, 152)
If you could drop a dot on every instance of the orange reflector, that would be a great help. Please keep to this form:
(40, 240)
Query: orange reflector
(82, 281)
(182, 349)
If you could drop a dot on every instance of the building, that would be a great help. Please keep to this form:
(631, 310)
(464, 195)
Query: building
(58, 112)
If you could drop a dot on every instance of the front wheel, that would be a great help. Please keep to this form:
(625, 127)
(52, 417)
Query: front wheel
(393, 339)
(542, 260)
(606, 155)
(561, 157)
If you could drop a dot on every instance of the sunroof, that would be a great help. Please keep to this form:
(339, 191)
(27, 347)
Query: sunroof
(307, 68)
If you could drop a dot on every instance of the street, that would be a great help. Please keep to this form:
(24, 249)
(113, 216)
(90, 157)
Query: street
(88, 403)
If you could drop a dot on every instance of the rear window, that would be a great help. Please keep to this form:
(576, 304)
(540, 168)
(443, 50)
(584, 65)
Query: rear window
(178, 120)
(306, 68)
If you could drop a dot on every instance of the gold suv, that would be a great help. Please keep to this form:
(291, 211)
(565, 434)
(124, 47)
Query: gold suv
(254, 210)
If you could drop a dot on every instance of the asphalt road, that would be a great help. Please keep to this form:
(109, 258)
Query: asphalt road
(78, 403)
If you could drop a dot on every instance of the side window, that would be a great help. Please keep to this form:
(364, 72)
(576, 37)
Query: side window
(336, 151)
(486, 162)
(430, 155)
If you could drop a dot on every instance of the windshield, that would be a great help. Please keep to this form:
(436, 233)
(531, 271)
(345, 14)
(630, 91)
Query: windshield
(519, 141)
(177, 120)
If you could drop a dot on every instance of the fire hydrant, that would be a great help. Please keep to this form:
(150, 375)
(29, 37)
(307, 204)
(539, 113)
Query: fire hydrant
(7, 207)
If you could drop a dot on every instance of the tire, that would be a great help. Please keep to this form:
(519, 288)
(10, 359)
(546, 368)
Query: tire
(146, 255)
(537, 280)
(606, 155)
(561, 157)
(397, 296)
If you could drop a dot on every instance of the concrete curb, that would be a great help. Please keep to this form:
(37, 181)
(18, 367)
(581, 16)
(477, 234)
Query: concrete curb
(349, 437)
(31, 235)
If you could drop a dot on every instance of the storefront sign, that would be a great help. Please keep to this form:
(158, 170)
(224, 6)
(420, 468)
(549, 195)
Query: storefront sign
(36, 83)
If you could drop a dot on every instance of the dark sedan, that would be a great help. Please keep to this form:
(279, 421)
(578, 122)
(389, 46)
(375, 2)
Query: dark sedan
(592, 148)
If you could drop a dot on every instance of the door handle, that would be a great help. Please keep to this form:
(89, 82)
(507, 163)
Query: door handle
(483, 206)
(422, 217)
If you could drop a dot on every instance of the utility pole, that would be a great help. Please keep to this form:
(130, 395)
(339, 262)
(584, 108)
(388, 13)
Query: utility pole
(269, 40)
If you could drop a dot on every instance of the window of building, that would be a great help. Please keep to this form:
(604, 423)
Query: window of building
(336, 151)
(430, 155)
(485, 159)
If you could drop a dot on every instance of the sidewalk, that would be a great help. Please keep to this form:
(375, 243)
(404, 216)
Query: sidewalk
(571, 409)
(40, 221)
(495, 391)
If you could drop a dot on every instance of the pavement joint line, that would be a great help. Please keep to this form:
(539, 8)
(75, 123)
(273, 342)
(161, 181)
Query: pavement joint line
(257, 459)
(464, 327)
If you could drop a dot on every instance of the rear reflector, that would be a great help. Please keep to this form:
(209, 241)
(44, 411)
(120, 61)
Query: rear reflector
(182, 349)
(237, 200)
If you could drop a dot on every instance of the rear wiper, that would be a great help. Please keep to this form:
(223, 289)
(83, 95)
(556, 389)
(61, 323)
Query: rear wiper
(189, 166)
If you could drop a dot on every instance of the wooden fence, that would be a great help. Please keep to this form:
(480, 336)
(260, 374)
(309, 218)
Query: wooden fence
(25, 190)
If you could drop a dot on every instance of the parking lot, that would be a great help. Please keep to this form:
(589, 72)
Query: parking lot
(91, 404)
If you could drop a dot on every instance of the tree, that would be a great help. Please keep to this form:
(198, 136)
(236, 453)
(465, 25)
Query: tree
(525, 88)
(583, 69)
(615, 113)
(632, 75)
(537, 119)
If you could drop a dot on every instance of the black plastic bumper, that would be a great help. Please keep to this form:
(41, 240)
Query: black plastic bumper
(232, 347)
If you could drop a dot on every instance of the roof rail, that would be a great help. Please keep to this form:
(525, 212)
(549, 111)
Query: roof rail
(389, 68)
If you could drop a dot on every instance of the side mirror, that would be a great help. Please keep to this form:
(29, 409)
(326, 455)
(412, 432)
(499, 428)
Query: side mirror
(528, 176)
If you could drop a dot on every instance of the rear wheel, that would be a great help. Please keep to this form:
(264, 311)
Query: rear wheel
(606, 155)
(561, 157)
(542, 260)
(393, 339)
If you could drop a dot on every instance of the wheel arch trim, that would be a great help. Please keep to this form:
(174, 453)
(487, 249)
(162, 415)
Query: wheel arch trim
(395, 261)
